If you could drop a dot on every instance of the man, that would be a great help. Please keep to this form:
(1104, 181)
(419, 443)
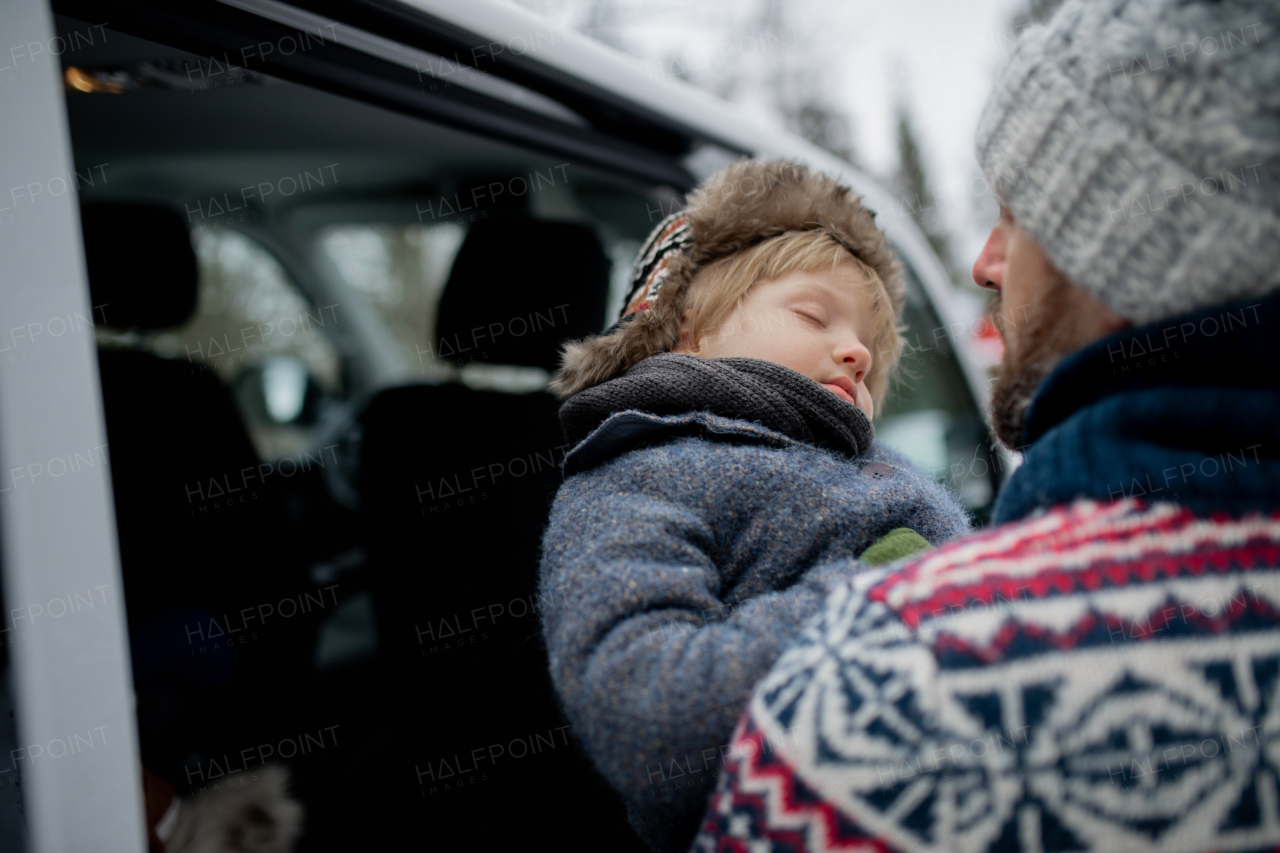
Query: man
(1100, 670)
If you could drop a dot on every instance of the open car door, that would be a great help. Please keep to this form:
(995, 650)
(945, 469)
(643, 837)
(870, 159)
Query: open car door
(75, 759)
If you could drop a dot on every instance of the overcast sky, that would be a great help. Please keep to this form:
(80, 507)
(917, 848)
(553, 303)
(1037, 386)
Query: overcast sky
(936, 56)
(940, 57)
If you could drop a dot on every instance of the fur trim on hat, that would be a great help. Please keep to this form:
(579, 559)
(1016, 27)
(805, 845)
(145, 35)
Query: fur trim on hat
(747, 203)
(256, 815)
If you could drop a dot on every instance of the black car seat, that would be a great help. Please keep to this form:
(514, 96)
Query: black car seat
(171, 424)
(193, 553)
(457, 485)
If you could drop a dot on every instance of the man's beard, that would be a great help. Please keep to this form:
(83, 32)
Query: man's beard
(1043, 340)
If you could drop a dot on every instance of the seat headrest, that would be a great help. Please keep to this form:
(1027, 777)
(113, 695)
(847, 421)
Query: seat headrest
(141, 265)
(518, 289)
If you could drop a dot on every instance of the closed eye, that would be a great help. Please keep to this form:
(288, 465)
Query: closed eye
(812, 318)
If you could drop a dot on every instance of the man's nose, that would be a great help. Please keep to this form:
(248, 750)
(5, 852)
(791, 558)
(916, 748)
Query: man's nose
(988, 269)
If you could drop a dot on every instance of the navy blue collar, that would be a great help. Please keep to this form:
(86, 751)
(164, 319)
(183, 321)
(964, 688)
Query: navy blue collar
(1185, 409)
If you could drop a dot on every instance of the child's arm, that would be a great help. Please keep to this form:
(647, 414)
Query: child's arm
(652, 669)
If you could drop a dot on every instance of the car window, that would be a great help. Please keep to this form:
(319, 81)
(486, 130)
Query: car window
(400, 271)
(249, 320)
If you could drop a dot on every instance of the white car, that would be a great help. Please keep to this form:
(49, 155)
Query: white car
(282, 288)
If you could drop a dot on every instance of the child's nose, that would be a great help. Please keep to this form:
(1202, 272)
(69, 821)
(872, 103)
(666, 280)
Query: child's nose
(854, 353)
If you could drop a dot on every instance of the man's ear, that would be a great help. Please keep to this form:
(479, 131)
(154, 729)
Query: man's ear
(682, 343)
(1113, 321)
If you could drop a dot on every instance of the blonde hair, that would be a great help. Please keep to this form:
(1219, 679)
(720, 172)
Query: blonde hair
(719, 288)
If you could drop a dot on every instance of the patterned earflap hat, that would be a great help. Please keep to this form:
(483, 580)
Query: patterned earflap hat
(745, 204)
(654, 261)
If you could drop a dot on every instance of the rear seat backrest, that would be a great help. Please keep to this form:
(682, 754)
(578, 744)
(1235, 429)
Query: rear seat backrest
(457, 485)
(172, 426)
(174, 438)
(452, 462)
(519, 288)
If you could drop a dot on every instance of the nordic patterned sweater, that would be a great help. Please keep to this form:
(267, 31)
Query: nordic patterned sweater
(682, 555)
(1101, 672)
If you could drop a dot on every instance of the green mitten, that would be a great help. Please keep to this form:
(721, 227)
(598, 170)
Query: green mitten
(894, 545)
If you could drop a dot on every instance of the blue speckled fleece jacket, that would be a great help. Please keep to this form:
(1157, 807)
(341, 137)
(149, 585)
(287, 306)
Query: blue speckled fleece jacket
(683, 555)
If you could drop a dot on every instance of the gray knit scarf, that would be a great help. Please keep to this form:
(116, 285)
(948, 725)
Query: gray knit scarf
(748, 389)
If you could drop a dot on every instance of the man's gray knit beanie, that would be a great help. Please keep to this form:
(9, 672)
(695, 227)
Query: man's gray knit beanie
(1138, 141)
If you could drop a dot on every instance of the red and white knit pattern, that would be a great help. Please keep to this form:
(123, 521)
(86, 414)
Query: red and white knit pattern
(671, 237)
(1102, 676)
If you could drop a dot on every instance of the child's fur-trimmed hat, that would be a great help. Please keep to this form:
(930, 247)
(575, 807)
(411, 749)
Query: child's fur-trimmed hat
(741, 206)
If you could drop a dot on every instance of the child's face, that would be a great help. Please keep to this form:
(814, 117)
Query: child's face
(816, 323)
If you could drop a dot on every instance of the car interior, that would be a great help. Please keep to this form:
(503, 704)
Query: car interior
(325, 328)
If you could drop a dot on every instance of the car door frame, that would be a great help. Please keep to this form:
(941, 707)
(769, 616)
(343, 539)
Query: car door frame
(64, 630)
